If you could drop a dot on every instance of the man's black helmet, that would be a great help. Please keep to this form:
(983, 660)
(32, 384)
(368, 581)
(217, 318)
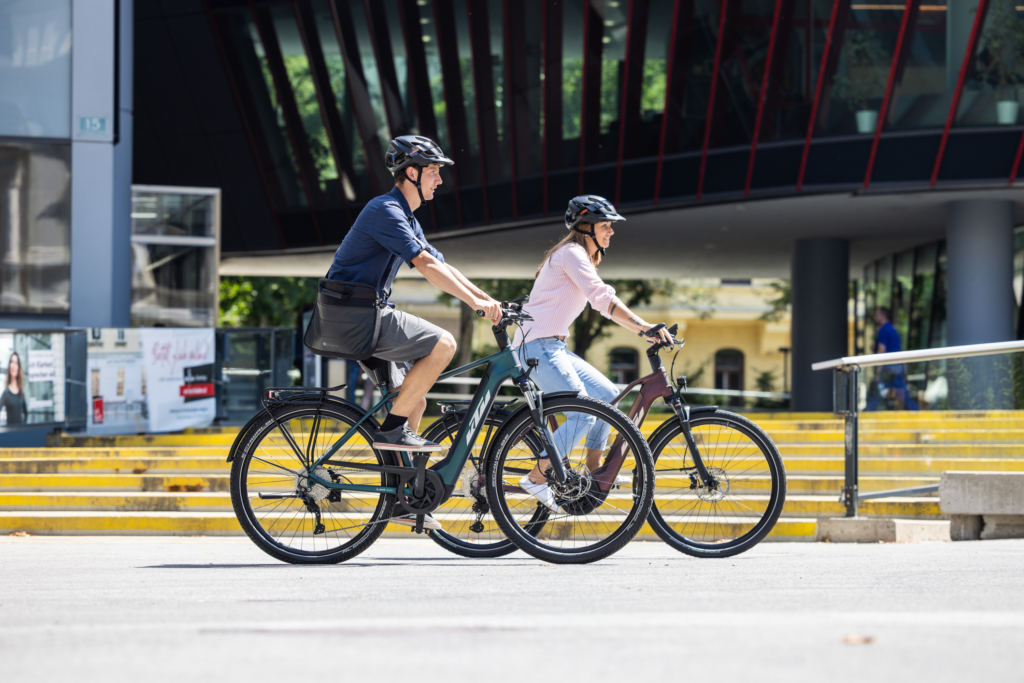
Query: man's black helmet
(589, 209)
(414, 149)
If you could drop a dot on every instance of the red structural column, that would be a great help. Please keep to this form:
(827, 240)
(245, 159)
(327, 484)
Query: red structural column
(763, 95)
(711, 96)
(838, 7)
(979, 17)
(895, 74)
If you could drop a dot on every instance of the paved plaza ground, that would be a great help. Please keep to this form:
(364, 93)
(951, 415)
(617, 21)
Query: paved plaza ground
(215, 609)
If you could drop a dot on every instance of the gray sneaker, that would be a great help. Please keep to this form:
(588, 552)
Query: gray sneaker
(404, 439)
(410, 520)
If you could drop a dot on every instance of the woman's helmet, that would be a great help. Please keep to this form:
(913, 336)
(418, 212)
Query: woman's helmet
(410, 150)
(589, 209)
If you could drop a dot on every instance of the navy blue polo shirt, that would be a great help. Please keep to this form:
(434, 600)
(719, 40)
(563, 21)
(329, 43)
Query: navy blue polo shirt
(888, 335)
(384, 235)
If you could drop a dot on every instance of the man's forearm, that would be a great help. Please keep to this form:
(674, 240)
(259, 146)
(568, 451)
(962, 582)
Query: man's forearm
(476, 291)
(442, 277)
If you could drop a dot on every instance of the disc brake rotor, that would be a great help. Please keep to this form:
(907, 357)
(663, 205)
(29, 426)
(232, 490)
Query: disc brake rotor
(721, 491)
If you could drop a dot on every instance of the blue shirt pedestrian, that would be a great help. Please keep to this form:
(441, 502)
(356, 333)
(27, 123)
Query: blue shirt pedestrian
(888, 336)
(384, 235)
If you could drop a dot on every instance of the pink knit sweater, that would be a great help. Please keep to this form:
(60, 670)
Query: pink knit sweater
(567, 281)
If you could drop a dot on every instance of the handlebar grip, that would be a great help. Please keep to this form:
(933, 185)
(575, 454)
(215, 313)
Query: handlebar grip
(480, 313)
(654, 330)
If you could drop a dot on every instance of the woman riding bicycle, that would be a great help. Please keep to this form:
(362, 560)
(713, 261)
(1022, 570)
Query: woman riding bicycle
(565, 281)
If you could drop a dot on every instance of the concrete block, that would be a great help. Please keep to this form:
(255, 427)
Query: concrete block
(982, 493)
(870, 530)
(1002, 526)
(965, 528)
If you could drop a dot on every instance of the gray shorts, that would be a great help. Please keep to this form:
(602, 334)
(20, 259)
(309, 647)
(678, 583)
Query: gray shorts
(404, 339)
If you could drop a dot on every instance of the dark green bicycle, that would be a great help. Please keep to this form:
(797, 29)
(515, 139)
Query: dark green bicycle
(308, 487)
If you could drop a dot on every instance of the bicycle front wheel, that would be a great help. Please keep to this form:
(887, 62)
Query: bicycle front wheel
(294, 518)
(741, 510)
(595, 520)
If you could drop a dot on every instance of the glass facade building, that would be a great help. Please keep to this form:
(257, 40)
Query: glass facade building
(642, 101)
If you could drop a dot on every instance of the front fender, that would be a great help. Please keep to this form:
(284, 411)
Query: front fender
(668, 424)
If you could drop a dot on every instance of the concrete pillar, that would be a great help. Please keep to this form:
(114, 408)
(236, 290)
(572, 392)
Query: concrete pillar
(101, 162)
(980, 301)
(979, 272)
(820, 293)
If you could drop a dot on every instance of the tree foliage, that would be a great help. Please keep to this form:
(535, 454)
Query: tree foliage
(264, 301)
(780, 298)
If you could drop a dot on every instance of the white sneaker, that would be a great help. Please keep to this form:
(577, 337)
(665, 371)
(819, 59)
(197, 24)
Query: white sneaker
(541, 492)
(622, 480)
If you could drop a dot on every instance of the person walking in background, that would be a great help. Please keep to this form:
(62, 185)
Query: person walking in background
(13, 398)
(891, 378)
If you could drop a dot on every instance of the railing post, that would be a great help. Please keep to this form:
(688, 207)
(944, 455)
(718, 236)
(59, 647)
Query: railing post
(845, 401)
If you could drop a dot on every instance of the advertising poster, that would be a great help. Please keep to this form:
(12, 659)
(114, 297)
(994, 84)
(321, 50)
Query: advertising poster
(116, 388)
(178, 365)
(32, 372)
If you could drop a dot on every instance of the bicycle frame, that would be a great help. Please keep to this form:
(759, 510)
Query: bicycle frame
(652, 387)
(500, 366)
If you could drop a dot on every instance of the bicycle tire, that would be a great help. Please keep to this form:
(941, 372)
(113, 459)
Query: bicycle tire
(268, 525)
(729, 523)
(567, 538)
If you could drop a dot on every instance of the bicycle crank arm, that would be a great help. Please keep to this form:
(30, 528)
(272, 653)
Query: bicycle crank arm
(278, 496)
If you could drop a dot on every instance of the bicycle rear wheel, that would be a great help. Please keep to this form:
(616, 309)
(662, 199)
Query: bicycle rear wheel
(296, 520)
(741, 511)
(595, 520)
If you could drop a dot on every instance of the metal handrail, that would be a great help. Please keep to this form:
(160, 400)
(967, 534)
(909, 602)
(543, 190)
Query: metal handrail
(942, 353)
(846, 381)
(620, 387)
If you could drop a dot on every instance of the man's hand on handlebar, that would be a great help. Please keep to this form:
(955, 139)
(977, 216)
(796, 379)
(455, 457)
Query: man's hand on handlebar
(491, 309)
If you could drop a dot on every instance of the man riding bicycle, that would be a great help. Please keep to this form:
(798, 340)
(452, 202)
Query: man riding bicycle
(384, 235)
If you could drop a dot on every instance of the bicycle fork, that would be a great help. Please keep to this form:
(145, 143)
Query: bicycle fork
(683, 413)
(535, 400)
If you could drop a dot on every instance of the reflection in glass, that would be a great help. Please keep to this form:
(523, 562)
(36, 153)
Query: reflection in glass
(470, 174)
(742, 71)
(356, 188)
(35, 235)
(991, 93)
(354, 12)
(851, 105)
(572, 80)
(652, 90)
(923, 94)
(702, 36)
(613, 65)
(174, 285)
(183, 215)
(35, 68)
(296, 64)
(429, 32)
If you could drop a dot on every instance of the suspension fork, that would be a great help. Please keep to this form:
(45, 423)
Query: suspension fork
(535, 400)
(683, 413)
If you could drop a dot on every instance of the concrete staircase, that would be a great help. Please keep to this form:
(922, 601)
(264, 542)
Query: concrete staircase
(177, 484)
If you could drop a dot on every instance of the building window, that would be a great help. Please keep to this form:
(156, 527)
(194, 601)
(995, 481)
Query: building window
(174, 256)
(624, 364)
(729, 372)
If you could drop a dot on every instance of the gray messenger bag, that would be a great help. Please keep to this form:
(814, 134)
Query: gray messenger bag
(345, 322)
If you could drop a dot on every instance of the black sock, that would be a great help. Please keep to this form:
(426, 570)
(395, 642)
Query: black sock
(393, 421)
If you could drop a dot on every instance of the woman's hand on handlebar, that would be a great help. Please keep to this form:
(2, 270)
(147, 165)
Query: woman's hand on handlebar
(661, 335)
(491, 309)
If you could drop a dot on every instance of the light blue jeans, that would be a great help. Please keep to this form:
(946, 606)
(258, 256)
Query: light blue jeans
(562, 370)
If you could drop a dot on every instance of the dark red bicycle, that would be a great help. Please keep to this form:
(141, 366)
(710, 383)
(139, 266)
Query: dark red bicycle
(721, 483)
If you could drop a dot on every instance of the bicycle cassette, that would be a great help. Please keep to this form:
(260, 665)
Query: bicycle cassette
(318, 491)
